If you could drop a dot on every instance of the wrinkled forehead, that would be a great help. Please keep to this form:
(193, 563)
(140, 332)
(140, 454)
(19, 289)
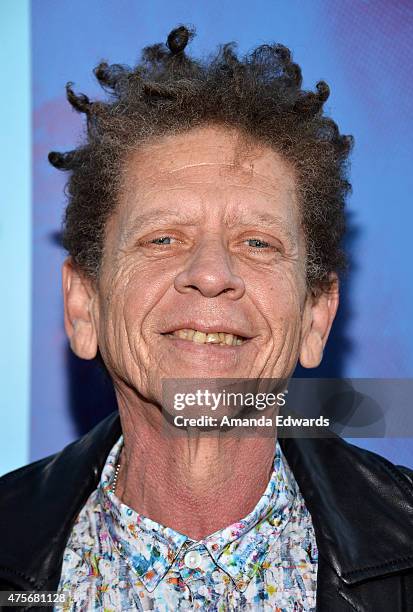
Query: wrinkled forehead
(207, 156)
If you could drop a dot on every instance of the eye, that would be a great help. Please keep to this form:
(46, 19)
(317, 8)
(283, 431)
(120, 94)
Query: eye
(161, 244)
(259, 244)
(162, 240)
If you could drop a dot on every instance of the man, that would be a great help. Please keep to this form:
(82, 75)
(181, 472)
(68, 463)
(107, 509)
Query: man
(204, 226)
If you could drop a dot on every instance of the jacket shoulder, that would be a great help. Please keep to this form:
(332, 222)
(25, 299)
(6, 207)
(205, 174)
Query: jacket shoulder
(40, 501)
(400, 473)
(407, 472)
(91, 450)
(26, 471)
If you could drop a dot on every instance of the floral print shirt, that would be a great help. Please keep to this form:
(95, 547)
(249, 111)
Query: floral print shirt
(117, 560)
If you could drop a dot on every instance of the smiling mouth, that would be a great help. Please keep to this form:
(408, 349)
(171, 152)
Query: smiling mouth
(199, 337)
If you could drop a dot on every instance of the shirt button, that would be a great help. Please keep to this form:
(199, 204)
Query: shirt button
(192, 559)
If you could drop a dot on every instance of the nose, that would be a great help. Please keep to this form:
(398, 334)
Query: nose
(209, 272)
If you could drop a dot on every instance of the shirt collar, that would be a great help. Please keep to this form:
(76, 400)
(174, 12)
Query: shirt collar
(241, 548)
(150, 548)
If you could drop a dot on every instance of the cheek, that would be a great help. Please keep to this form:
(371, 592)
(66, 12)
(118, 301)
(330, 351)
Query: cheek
(132, 293)
(281, 299)
(142, 294)
(123, 312)
(116, 292)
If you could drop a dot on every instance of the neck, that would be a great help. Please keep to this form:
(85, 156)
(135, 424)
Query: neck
(193, 483)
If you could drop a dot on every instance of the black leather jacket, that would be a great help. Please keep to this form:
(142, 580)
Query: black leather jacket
(361, 506)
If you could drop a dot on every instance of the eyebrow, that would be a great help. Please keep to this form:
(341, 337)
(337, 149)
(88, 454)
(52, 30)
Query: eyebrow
(267, 220)
(243, 218)
(159, 215)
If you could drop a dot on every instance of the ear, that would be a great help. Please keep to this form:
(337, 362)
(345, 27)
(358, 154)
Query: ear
(319, 313)
(78, 296)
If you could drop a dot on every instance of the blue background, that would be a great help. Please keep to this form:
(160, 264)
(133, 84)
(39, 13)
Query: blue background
(361, 48)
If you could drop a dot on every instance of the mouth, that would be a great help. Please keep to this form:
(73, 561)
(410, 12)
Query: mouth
(197, 336)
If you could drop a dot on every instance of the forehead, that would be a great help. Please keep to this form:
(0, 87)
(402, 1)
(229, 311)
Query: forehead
(207, 152)
(207, 171)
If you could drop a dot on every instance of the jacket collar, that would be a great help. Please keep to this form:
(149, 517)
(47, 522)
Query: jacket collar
(361, 506)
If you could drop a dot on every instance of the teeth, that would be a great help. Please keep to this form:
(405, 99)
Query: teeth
(199, 337)
(213, 338)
